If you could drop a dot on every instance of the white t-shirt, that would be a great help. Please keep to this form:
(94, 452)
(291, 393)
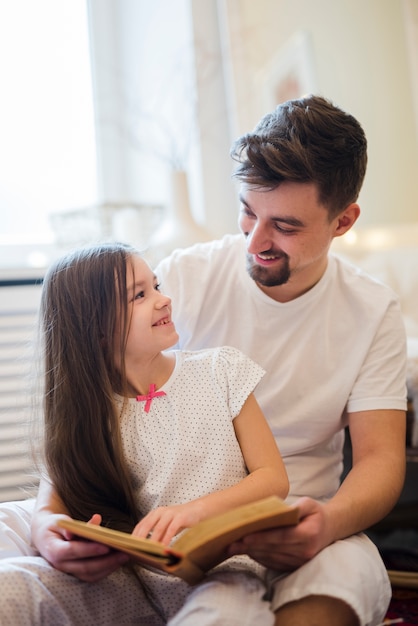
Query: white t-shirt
(184, 446)
(339, 347)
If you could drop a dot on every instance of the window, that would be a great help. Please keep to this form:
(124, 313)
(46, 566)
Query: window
(47, 147)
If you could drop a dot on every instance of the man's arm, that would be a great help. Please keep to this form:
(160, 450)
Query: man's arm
(367, 494)
(375, 481)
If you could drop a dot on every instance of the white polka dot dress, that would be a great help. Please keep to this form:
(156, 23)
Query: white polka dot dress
(185, 445)
(182, 445)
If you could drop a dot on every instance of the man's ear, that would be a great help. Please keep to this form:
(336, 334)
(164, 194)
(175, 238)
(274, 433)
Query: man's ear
(346, 219)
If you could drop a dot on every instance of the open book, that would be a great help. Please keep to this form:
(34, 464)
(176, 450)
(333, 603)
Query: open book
(199, 548)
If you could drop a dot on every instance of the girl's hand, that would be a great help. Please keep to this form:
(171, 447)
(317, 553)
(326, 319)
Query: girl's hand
(163, 523)
(86, 560)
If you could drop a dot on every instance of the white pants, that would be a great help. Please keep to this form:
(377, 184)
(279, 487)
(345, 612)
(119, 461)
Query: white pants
(227, 599)
(350, 570)
(34, 593)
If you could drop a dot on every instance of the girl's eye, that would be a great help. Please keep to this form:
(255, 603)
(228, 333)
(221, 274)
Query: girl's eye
(157, 287)
(139, 295)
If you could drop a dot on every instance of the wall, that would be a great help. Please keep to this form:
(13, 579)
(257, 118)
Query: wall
(206, 79)
(361, 62)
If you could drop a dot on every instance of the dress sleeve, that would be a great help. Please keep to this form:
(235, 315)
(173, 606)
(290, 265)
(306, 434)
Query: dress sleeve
(237, 376)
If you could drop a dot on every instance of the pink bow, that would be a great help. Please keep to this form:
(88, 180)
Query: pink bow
(150, 397)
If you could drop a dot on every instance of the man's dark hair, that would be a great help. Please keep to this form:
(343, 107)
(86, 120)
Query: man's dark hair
(308, 140)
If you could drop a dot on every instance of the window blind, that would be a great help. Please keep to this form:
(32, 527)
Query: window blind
(19, 302)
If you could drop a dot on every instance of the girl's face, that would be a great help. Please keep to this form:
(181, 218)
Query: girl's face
(151, 329)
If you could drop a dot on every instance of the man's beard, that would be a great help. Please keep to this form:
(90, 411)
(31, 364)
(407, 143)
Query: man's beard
(269, 277)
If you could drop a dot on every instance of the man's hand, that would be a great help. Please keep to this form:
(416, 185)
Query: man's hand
(86, 560)
(289, 547)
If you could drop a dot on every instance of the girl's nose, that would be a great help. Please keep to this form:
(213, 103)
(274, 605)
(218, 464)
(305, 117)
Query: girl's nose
(163, 301)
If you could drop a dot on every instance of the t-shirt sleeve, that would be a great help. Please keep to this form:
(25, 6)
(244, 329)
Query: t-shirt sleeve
(177, 274)
(381, 382)
(237, 376)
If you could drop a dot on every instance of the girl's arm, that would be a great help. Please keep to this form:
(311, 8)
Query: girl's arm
(267, 476)
(87, 560)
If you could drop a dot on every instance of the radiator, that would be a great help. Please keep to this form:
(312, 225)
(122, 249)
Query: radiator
(19, 302)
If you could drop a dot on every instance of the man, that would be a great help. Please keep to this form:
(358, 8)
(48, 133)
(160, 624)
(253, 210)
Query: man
(332, 342)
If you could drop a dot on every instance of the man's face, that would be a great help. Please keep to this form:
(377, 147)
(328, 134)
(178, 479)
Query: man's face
(288, 235)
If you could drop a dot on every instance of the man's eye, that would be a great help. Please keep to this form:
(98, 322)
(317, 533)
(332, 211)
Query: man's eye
(285, 231)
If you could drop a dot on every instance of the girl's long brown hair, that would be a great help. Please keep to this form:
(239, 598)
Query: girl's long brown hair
(84, 297)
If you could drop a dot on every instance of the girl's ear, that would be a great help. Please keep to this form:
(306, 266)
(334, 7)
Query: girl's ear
(346, 219)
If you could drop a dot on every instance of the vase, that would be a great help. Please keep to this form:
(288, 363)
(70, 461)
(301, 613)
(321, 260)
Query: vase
(178, 228)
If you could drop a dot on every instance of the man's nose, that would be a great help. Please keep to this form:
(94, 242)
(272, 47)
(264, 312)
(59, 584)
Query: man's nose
(258, 239)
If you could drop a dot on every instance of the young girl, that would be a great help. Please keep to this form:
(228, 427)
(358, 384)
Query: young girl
(141, 439)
